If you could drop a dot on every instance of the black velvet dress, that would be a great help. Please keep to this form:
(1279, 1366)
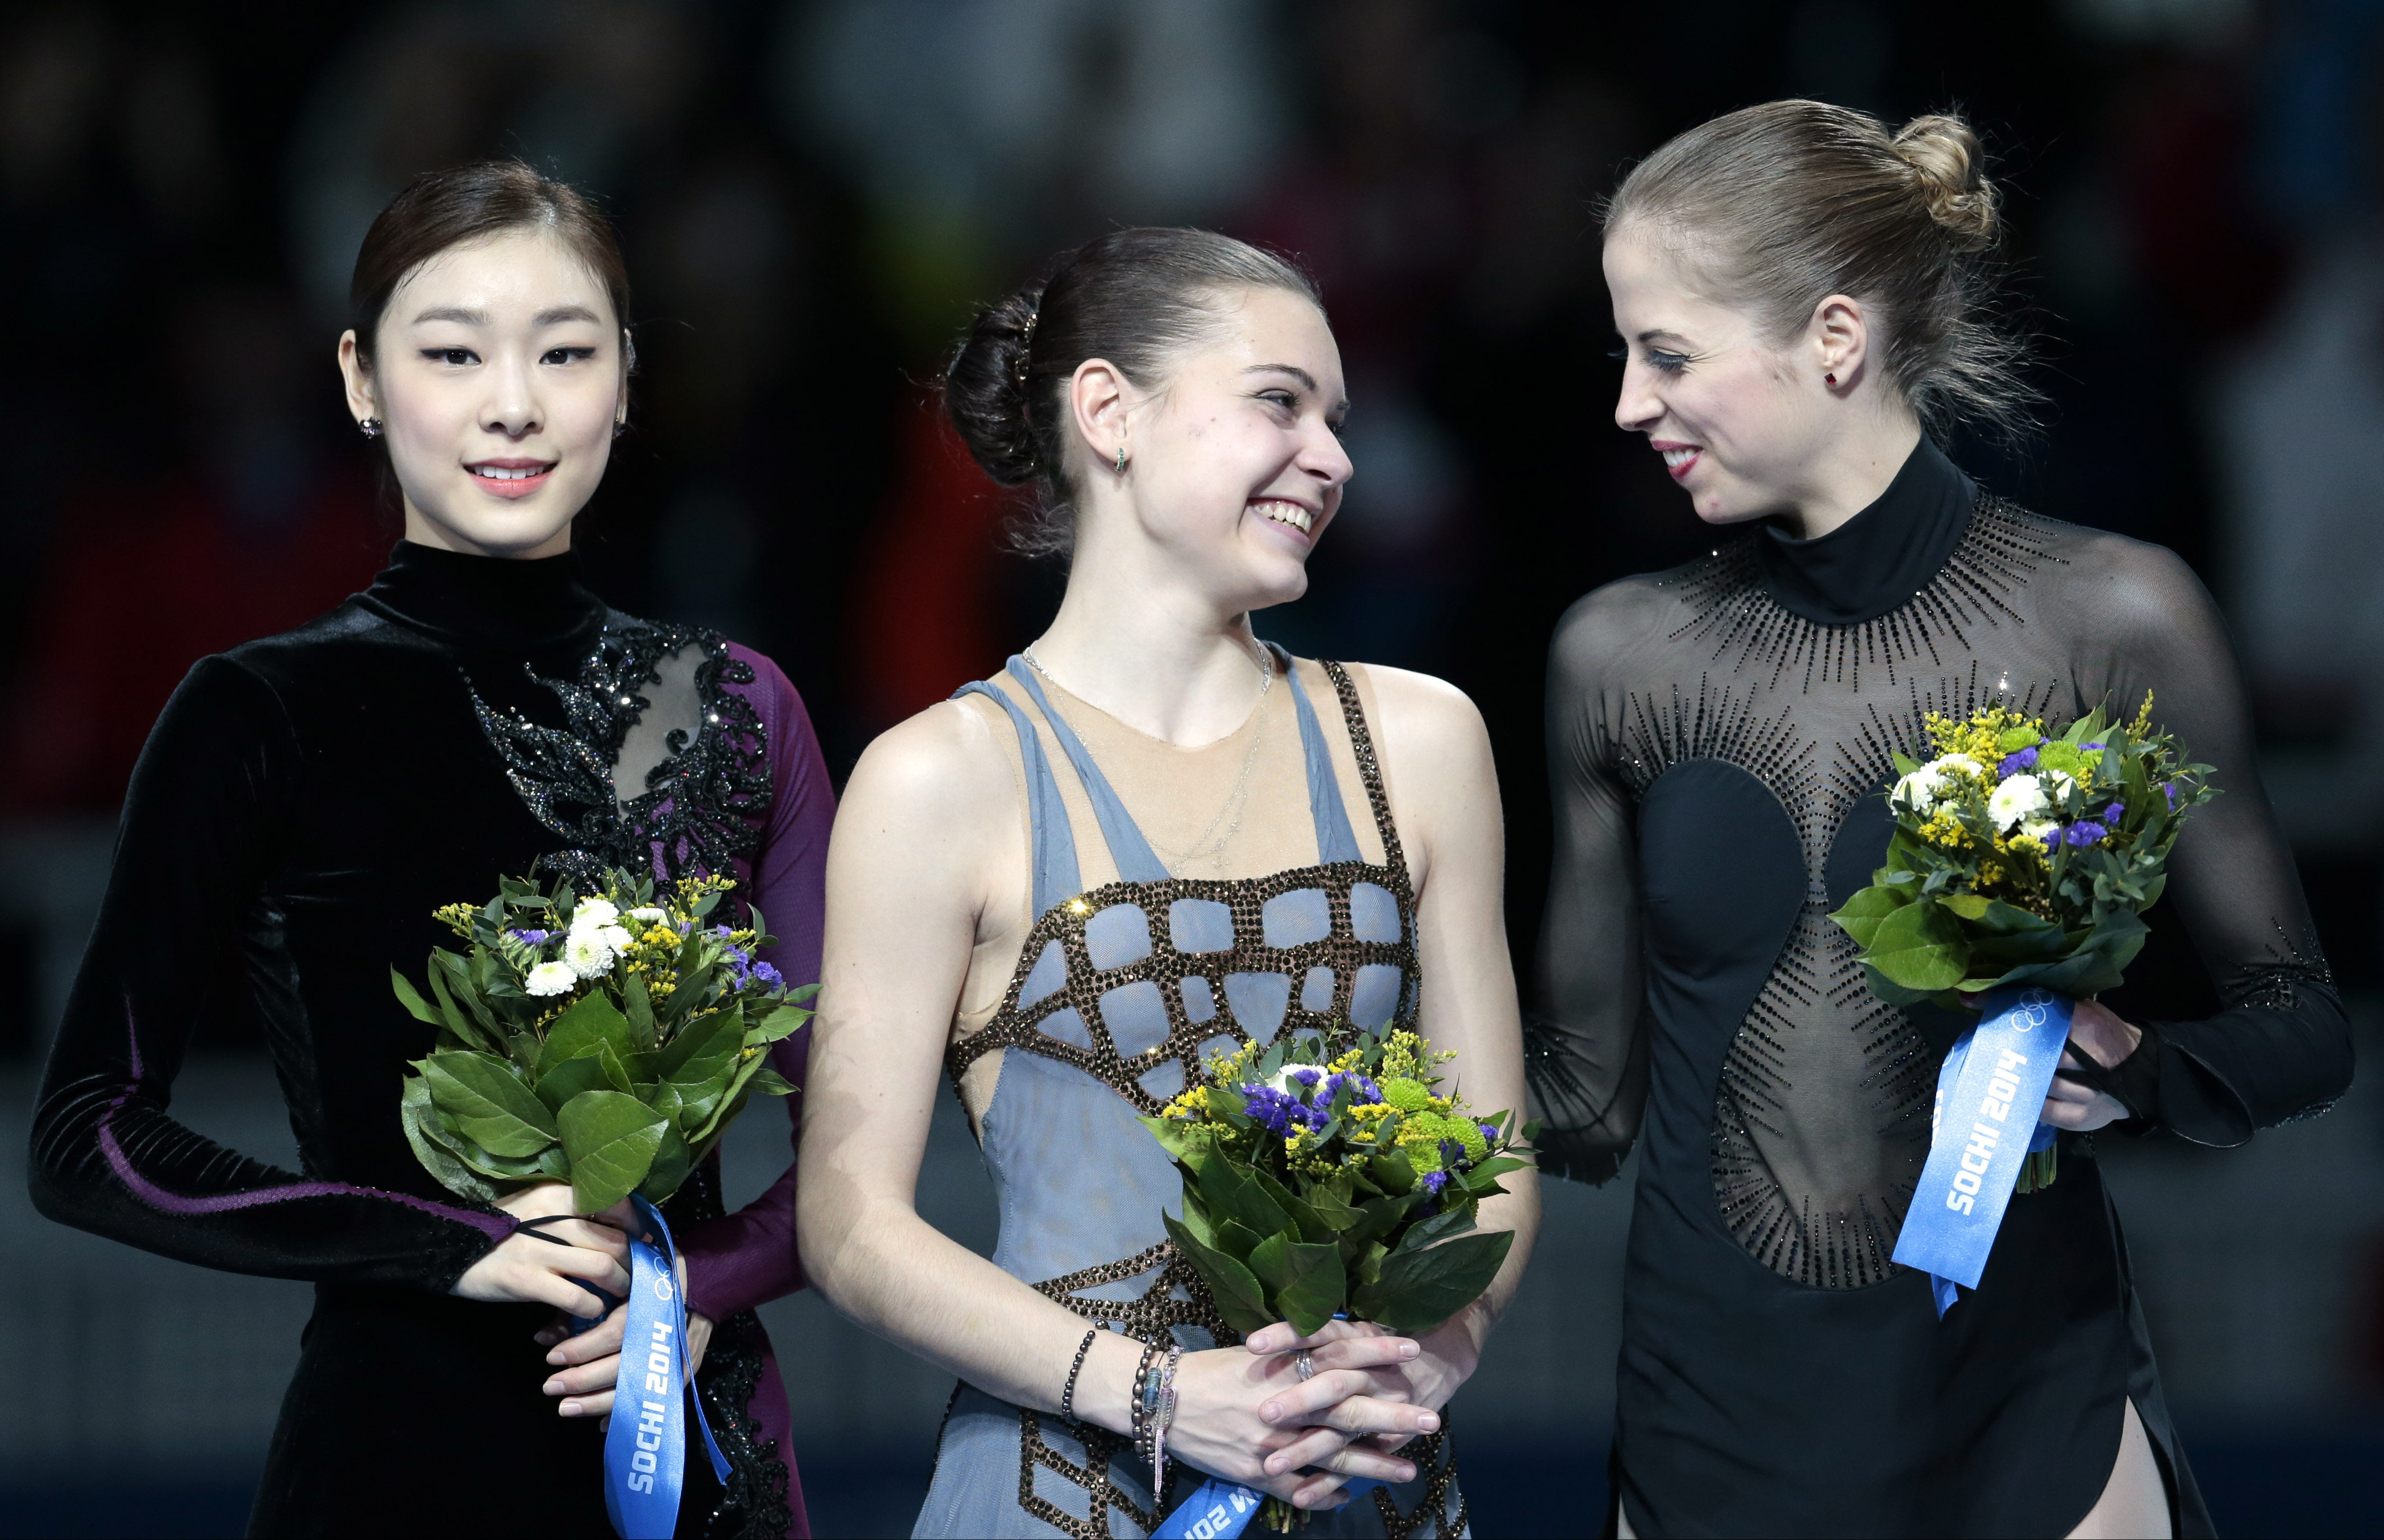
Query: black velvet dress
(302, 805)
(1718, 736)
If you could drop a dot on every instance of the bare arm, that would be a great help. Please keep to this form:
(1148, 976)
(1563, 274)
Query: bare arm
(1445, 799)
(925, 849)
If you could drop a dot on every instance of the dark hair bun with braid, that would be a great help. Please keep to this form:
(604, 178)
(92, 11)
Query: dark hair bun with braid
(1138, 298)
(985, 391)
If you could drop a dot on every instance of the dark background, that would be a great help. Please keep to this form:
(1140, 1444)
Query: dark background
(812, 197)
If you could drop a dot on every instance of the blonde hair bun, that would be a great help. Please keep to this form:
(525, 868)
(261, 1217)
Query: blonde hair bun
(1949, 173)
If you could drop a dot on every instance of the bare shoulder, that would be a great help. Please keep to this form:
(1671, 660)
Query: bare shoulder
(1432, 734)
(941, 768)
(1419, 706)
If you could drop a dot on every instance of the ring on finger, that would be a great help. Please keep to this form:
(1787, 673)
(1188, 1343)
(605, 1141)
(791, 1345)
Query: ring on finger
(1304, 1362)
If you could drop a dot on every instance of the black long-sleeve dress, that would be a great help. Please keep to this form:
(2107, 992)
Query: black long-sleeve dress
(302, 805)
(1717, 736)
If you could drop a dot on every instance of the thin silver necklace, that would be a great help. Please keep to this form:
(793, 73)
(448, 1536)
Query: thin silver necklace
(1236, 800)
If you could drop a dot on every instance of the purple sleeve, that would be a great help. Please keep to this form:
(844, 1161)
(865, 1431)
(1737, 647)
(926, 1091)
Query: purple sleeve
(739, 1262)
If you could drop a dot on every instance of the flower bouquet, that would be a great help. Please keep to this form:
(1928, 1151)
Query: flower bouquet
(604, 1039)
(2015, 882)
(1317, 1187)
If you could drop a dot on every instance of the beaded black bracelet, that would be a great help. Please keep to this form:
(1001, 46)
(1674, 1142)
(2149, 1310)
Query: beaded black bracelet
(1144, 1393)
(1068, 1393)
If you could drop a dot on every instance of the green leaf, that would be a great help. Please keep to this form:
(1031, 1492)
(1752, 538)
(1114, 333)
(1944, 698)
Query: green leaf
(730, 1100)
(1967, 906)
(416, 1006)
(1228, 1188)
(1310, 1226)
(615, 1072)
(459, 982)
(640, 1013)
(670, 1168)
(1232, 1237)
(1377, 1217)
(1304, 1281)
(769, 1082)
(457, 1021)
(779, 1021)
(611, 1139)
(1421, 1287)
(1861, 914)
(1392, 1171)
(1920, 947)
(490, 1102)
(715, 1037)
(1240, 1299)
(591, 1021)
(1181, 1139)
(1330, 1207)
(1196, 1216)
(416, 1115)
(569, 1079)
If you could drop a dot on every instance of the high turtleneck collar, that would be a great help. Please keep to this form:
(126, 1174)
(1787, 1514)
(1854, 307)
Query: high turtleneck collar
(484, 601)
(1881, 557)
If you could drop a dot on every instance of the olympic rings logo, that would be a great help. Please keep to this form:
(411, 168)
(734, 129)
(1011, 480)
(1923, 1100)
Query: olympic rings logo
(2033, 1012)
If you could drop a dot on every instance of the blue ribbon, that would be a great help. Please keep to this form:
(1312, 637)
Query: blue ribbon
(1222, 1508)
(1992, 1086)
(645, 1453)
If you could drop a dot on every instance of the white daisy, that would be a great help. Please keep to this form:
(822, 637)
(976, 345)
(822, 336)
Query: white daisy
(551, 978)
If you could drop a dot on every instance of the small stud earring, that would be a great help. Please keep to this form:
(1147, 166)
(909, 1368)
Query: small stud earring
(1829, 380)
(1121, 463)
(369, 427)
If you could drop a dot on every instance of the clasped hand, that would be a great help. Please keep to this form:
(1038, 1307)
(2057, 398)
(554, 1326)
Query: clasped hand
(1246, 1415)
(2096, 1033)
(567, 1261)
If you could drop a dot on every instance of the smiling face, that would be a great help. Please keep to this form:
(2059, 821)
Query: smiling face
(1744, 424)
(1236, 461)
(498, 375)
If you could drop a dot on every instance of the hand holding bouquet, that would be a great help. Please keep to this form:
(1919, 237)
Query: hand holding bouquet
(604, 1039)
(2015, 883)
(1318, 1187)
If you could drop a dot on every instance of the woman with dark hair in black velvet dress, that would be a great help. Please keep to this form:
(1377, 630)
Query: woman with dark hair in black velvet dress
(1799, 293)
(302, 805)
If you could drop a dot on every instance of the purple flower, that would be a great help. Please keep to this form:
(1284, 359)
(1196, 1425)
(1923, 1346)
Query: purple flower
(2016, 762)
(1435, 1180)
(2052, 841)
(2090, 748)
(2113, 813)
(1489, 1131)
(2085, 833)
(2170, 787)
(1280, 1112)
(1362, 1090)
(1271, 1108)
(529, 938)
(771, 978)
(1307, 1074)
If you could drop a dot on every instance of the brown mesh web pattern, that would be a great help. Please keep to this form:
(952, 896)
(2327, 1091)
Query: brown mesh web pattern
(1176, 1297)
(1245, 899)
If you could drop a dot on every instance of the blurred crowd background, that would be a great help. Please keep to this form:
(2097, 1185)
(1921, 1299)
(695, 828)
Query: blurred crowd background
(813, 193)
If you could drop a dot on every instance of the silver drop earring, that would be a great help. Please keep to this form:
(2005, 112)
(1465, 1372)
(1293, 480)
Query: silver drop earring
(369, 427)
(1121, 463)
